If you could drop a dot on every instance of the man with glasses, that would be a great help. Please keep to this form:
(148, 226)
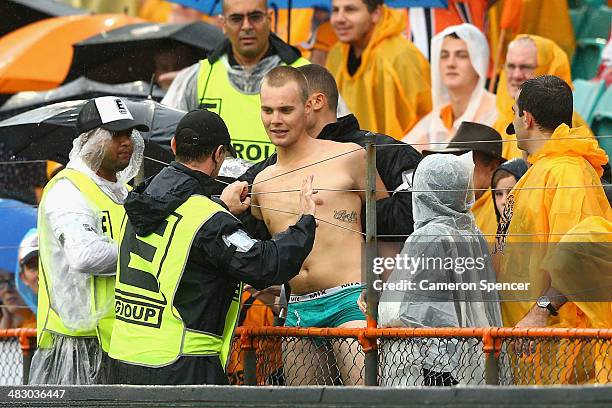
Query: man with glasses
(228, 81)
(528, 56)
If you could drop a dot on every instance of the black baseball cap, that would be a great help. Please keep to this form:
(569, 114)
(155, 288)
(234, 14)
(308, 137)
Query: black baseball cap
(205, 128)
(107, 112)
(471, 136)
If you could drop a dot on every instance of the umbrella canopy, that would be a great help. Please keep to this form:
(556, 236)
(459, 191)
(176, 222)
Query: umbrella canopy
(81, 88)
(18, 13)
(129, 53)
(47, 133)
(17, 218)
(213, 7)
(37, 57)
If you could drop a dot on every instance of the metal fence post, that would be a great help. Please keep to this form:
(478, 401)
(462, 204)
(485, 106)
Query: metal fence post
(491, 347)
(371, 352)
(28, 346)
(249, 358)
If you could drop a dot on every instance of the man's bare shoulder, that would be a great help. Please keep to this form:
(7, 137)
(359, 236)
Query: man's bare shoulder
(338, 147)
(264, 175)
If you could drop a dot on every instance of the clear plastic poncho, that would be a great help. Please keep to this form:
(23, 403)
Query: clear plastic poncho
(444, 230)
(76, 250)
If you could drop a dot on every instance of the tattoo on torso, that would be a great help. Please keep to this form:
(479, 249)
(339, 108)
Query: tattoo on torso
(345, 216)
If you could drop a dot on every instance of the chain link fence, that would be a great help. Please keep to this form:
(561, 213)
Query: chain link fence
(11, 358)
(437, 358)
(405, 357)
(16, 348)
(548, 361)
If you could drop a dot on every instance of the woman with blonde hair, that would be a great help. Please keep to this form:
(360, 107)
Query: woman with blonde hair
(459, 64)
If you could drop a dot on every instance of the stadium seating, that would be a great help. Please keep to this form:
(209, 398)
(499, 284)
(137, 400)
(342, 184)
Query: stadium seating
(586, 96)
(602, 121)
(591, 21)
(587, 57)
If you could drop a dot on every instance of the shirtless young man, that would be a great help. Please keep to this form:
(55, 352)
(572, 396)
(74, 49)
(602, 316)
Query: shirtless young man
(325, 292)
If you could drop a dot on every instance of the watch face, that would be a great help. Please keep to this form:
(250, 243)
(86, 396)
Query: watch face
(543, 301)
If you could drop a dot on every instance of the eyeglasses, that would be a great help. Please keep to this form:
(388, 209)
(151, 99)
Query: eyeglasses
(524, 68)
(254, 17)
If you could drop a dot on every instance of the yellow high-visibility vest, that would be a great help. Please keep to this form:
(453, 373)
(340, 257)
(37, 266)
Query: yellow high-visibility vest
(101, 287)
(149, 330)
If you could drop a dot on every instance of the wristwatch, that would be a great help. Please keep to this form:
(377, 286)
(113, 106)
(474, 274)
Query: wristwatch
(544, 303)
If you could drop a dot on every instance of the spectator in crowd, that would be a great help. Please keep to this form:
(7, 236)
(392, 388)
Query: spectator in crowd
(13, 312)
(326, 295)
(445, 235)
(486, 145)
(547, 201)
(192, 299)
(322, 36)
(80, 216)
(228, 81)
(26, 275)
(503, 180)
(459, 64)
(528, 56)
(381, 75)
(395, 163)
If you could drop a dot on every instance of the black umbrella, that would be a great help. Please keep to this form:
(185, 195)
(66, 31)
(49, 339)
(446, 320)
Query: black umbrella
(81, 88)
(128, 53)
(17, 13)
(47, 133)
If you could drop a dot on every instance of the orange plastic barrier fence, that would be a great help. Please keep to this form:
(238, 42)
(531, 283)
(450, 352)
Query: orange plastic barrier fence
(420, 356)
(390, 357)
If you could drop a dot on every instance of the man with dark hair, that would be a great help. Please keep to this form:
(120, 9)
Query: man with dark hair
(381, 75)
(560, 189)
(395, 161)
(182, 260)
(228, 81)
(528, 56)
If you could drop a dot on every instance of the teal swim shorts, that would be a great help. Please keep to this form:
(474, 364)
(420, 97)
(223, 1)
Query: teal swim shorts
(326, 308)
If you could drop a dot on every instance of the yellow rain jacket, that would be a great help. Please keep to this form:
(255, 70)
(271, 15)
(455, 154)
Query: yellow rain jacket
(586, 247)
(537, 216)
(536, 206)
(580, 267)
(391, 89)
(551, 61)
(484, 213)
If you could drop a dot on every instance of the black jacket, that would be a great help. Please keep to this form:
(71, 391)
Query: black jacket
(393, 214)
(214, 268)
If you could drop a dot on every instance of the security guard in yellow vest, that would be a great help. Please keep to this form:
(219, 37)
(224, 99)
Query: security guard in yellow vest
(228, 81)
(182, 260)
(79, 219)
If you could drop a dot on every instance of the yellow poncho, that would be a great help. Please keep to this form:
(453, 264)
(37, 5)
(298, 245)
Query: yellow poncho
(537, 206)
(551, 61)
(580, 267)
(484, 213)
(391, 89)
